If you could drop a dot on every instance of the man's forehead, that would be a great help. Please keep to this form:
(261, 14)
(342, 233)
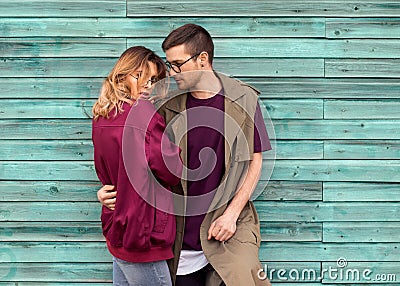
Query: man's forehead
(177, 53)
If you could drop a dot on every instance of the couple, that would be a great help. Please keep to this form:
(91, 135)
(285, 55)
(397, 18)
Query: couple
(168, 223)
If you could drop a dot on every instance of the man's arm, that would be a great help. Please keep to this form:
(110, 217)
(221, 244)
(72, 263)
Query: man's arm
(106, 196)
(224, 227)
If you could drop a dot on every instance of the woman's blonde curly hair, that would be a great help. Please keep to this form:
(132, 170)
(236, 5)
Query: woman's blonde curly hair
(115, 89)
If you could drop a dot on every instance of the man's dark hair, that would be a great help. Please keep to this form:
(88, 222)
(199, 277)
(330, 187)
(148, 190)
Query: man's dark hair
(195, 38)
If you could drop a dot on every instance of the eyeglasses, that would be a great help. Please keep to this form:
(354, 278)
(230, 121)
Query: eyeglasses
(177, 67)
(151, 81)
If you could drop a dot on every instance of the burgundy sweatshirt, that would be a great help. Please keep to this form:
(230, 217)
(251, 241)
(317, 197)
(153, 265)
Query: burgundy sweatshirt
(132, 153)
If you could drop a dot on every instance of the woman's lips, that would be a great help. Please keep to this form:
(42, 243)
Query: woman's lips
(144, 95)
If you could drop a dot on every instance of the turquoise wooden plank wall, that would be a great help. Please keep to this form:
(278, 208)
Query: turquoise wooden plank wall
(329, 75)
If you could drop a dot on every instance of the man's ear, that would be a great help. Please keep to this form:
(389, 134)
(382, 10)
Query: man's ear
(203, 59)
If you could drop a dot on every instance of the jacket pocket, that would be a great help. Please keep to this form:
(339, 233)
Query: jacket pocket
(248, 230)
(245, 234)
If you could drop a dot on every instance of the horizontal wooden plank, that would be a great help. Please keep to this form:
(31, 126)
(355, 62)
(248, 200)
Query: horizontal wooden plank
(300, 283)
(310, 271)
(46, 129)
(85, 191)
(336, 170)
(66, 252)
(360, 109)
(45, 191)
(79, 109)
(61, 47)
(347, 88)
(366, 192)
(293, 47)
(289, 191)
(46, 150)
(279, 88)
(363, 272)
(38, 108)
(268, 211)
(71, 150)
(291, 231)
(327, 212)
(303, 170)
(341, 232)
(56, 67)
(68, 284)
(377, 28)
(31, 88)
(50, 211)
(315, 251)
(96, 252)
(66, 8)
(42, 170)
(49, 231)
(160, 27)
(362, 149)
(57, 272)
(342, 8)
(362, 68)
(270, 67)
(337, 129)
(297, 149)
(110, 284)
(285, 129)
(100, 67)
(293, 108)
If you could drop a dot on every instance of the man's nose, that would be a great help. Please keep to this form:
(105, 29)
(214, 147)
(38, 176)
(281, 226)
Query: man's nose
(171, 72)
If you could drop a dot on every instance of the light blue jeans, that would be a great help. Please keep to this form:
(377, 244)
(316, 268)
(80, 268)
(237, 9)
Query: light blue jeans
(140, 274)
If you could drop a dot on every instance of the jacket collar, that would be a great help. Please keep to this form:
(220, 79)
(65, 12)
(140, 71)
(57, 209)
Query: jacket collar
(232, 88)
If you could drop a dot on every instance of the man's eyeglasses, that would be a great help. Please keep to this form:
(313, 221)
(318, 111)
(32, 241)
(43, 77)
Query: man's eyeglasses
(151, 81)
(177, 67)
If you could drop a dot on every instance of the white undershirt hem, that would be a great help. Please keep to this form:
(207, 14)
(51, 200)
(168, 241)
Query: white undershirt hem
(191, 261)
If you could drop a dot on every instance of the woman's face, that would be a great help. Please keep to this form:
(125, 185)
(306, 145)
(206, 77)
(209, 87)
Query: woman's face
(144, 89)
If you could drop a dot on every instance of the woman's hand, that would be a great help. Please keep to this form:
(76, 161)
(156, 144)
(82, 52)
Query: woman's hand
(107, 196)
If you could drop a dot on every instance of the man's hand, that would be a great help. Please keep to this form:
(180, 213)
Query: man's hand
(223, 228)
(107, 196)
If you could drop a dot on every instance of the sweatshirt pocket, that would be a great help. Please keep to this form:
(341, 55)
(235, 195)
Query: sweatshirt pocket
(164, 228)
(126, 231)
(111, 233)
(160, 221)
(136, 234)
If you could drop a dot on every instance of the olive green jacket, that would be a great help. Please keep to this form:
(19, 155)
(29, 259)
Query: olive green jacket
(236, 261)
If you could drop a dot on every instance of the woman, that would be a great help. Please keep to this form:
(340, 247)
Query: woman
(132, 153)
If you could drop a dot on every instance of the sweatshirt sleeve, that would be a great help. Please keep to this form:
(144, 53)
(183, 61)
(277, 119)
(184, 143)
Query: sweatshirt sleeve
(163, 155)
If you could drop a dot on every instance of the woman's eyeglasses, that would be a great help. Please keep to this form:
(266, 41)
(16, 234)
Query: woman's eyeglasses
(151, 81)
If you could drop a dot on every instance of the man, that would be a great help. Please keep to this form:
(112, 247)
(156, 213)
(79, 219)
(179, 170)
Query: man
(220, 129)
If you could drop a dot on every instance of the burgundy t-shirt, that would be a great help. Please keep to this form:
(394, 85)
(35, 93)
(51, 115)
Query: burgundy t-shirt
(206, 158)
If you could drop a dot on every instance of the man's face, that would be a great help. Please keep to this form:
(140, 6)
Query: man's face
(180, 60)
